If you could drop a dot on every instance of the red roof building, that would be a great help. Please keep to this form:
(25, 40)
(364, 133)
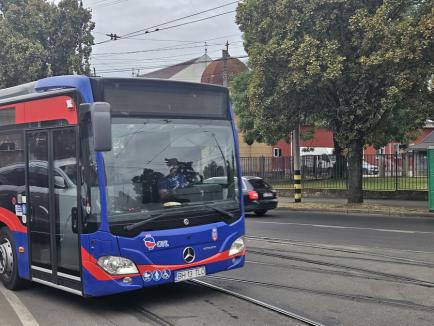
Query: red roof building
(190, 70)
(214, 73)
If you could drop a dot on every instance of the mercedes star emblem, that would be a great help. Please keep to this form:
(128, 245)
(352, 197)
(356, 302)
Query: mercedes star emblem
(186, 221)
(188, 254)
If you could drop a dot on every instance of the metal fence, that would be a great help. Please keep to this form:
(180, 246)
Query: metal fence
(380, 172)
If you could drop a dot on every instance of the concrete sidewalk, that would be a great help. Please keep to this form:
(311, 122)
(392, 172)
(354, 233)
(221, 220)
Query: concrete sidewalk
(411, 208)
(383, 202)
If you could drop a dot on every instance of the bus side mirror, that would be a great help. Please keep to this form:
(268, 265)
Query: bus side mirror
(101, 119)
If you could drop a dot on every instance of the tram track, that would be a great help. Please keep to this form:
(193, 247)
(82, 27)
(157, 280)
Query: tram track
(347, 296)
(404, 279)
(257, 302)
(325, 271)
(152, 317)
(359, 257)
(300, 243)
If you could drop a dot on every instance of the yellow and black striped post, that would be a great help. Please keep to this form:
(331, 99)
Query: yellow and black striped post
(296, 164)
(297, 186)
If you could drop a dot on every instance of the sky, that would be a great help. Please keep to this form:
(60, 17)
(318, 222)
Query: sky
(182, 43)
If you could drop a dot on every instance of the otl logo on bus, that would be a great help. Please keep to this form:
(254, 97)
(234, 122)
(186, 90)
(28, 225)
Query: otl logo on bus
(150, 242)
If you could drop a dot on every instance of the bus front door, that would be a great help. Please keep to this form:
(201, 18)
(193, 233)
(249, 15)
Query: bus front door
(52, 201)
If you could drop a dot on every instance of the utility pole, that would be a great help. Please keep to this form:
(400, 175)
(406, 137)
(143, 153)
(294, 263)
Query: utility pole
(49, 70)
(297, 165)
(225, 65)
(113, 37)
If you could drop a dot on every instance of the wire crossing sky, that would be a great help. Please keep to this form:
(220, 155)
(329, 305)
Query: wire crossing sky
(154, 34)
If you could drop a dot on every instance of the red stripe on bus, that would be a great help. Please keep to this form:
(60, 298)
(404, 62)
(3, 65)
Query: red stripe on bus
(12, 221)
(213, 259)
(90, 264)
(48, 109)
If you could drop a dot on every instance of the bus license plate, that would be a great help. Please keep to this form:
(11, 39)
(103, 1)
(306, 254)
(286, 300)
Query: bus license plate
(188, 274)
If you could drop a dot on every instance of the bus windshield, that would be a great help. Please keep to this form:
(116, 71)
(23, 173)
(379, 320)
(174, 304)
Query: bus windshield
(160, 163)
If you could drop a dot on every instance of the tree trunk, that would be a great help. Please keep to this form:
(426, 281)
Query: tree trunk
(341, 162)
(355, 158)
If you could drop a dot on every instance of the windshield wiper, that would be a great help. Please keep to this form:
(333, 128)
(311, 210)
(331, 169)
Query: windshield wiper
(145, 221)
(229, 216)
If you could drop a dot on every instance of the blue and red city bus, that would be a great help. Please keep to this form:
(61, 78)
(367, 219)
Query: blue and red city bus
(106, 184)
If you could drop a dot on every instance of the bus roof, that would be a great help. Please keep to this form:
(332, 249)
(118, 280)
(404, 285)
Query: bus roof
(24, 89)
(83, 85)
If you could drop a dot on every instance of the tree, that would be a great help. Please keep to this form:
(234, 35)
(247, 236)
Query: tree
(71, 39)
(361, 66)
(240, 99)
(38, 39)
(21, 59)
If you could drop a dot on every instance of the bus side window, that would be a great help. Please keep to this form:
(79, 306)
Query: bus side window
(11, 168)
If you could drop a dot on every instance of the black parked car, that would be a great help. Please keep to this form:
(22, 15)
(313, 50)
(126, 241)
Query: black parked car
(259, 196)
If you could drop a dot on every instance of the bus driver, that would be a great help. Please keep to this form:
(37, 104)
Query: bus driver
(174, 180)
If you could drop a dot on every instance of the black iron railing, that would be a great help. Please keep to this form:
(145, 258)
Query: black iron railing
(380, 172)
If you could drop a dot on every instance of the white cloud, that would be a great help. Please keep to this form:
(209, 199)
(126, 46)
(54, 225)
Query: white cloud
(125, 16)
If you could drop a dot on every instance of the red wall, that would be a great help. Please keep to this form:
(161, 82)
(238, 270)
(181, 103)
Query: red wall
(321, 138)
(48, 109)
(324, 138)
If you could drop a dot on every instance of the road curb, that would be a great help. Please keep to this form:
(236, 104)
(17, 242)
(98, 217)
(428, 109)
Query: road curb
(386, 212)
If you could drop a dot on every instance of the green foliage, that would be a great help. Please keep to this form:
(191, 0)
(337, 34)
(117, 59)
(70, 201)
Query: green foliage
(239, 95)
(38, 38)
(21, 59)
(360, 66)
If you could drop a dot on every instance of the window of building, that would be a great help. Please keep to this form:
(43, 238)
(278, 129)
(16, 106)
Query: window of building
(277, 152)
(7, 116)
(7, 146)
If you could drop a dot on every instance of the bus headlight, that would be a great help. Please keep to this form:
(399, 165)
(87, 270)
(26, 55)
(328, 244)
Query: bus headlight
(237, 247)
(117, 265)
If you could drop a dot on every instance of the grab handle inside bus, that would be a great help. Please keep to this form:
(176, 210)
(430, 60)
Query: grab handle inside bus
(74, 219)
(101, 119)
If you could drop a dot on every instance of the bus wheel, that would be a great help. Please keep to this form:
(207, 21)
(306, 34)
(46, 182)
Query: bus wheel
(261, 212)
(8, 261)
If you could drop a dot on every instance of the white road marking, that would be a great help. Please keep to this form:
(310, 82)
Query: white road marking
(24, 315)
(362, 249)
(345, 227)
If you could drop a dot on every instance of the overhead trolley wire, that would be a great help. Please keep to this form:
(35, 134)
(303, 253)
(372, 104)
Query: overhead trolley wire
(173, 26)
(186, 23)
(178, 19)
(187, 56)
(166, 48)
(165, 66)
(181, 41)
(155, 28)
(103, 3)
(115, 2)
(160, 60)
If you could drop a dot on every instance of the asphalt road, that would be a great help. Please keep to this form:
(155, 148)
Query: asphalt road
(337, 269)
(346, 229)
(341, 269)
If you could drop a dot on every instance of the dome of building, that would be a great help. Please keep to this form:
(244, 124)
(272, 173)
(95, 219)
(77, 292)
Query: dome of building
(213, 74)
